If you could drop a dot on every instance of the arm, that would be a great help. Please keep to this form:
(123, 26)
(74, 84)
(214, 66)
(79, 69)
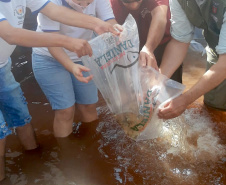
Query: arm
(212, 78)
(155, 35)
(173, 57)
(182, 33)
(76, 69)
(74, 18)
(23, 37)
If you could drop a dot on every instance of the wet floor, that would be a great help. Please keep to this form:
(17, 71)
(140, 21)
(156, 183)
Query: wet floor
(190, 151)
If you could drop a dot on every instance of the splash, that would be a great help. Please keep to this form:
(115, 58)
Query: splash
(186, 151)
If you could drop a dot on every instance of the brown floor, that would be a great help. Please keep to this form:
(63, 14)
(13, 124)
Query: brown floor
(109, 157)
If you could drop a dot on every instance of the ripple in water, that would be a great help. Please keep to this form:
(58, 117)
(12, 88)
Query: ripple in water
(186, 151)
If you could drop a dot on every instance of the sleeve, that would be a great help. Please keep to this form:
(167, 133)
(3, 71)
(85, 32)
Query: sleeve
(120, 12)
(46, 24)
(181, 28)
(104, 10)
(2, 17)
(36, 6)
(221, 47)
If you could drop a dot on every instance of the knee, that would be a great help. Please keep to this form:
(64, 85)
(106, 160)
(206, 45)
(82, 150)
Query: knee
(88, 112)
(65, 114)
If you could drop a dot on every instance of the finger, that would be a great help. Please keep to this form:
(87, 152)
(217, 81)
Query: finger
(155, 66)
(163, 115)
(118, 27)
(82, 79)
(115, 32)
(142, 60)
(84, 68)
(163, 111)
(149, 61)
(78, 53)
(86, 51)
(89, 50)
(86, 79)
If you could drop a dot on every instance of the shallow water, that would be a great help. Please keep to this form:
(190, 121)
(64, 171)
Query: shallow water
(191, 150)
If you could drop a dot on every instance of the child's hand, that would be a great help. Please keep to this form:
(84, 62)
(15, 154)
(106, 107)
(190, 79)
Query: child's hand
(77, 72)
(104, 27)
(80, 47)
(118, 27)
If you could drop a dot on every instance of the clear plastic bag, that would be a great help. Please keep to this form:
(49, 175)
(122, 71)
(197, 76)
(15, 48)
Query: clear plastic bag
(131, 93)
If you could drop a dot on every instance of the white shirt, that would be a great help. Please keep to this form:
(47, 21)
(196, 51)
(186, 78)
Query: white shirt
(98, 8)
(183, 31)
(14, 12)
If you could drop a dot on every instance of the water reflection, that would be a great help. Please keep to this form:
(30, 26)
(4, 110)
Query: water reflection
(188, 152)
(191, 149)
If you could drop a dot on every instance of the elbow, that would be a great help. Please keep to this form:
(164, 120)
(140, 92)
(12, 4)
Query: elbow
(10, 39)
(222, 63)
(53, 11)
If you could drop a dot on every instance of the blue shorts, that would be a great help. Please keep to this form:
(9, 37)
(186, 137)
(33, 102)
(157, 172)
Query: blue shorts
(13, 106)
(61, 88)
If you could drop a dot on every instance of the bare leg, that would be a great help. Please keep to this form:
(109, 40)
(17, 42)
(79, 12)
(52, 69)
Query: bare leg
(27, 137)
(88, 117)
(87, 113)
(2, 159)
(63, 121)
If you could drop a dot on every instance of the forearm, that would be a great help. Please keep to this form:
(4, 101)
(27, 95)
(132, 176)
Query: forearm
(59, 54)
(212, 78)
(70, 17)
(173, 57)
(157, 27)
(112, 21)
(23, 37)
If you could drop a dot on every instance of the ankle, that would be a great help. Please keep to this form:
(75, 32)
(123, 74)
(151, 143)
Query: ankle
(84, 129)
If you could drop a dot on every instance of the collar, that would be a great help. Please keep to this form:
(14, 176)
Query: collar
(64, 3)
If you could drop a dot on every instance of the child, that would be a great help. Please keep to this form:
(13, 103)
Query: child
(13, 107)
(53, 69)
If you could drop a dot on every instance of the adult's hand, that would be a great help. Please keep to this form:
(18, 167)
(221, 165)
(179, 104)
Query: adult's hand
(77, 70)
(173, 108)
(147, 58)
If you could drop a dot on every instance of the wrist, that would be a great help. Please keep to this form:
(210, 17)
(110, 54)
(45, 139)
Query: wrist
(188, 97)
(149, 48)
(93, 23)
(66, 42)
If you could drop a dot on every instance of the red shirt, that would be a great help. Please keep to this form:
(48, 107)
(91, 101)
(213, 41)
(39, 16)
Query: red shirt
(142, 16)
